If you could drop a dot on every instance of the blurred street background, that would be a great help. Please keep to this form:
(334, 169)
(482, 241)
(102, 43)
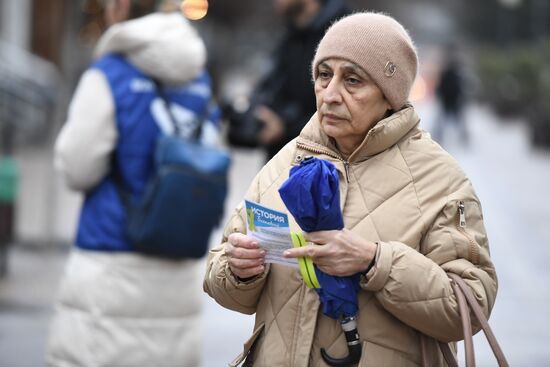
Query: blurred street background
(501, 50)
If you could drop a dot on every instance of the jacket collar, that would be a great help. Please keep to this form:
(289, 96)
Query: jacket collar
(382, 136)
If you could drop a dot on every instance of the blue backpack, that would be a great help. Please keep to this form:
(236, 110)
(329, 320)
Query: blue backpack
(184, 199)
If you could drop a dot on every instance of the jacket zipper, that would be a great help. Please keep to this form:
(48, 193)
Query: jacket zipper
(473, 250)
(329, 153)
(346, 169)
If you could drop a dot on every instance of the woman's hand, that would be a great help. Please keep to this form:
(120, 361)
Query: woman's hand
(273, 127)
(245, 257)
(338, 252)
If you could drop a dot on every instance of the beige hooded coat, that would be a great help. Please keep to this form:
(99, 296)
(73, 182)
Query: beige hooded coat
(400, 189)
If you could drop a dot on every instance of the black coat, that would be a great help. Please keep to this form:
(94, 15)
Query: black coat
(288, 88)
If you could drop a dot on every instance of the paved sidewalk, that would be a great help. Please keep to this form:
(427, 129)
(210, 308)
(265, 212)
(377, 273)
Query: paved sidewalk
(26, 297)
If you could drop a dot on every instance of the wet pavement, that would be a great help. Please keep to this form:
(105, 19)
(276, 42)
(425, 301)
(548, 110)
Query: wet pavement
(511, 179)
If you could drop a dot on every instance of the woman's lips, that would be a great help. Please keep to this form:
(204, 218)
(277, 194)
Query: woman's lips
(331, 116)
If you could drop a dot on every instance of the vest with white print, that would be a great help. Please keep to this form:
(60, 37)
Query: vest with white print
(140, 116)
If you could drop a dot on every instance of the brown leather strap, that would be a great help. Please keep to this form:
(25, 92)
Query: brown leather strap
(466, 332)
(466, 298)
(478, 312)
(445, 349)
(466, 326)
(424, 350)
(448, 354)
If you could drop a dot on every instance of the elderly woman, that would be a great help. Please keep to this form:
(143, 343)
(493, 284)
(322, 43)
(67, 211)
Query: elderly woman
(410, 216)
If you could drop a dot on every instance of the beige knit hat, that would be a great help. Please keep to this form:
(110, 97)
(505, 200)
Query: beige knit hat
(379, 45)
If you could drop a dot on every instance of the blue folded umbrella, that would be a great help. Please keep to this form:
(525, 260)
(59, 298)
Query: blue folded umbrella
(311, 194)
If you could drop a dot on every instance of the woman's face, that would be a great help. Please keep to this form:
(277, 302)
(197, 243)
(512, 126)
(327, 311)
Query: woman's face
(349, 103)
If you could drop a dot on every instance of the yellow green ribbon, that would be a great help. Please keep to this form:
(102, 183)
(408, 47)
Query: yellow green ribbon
(250, 219)
(306, 265)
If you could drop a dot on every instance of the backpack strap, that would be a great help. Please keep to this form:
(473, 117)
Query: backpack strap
(118, 180)
(199, 120)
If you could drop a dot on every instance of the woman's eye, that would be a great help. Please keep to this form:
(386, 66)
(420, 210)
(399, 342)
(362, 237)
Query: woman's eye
(353, 81)
(324, 75)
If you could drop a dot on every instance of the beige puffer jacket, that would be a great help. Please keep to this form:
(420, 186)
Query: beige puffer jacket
(402, 190)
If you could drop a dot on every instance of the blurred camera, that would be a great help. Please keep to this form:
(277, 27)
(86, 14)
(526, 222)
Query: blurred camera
(243, 126)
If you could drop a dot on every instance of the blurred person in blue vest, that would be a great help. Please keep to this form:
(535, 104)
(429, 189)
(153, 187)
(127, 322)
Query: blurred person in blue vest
(283, 101)
(116, 307)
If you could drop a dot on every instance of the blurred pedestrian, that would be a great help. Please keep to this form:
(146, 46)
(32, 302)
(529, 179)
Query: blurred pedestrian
(283, 100)
(116, 307)
(410, 215)
(450, 93)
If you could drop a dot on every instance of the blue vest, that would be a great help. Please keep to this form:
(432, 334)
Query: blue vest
(141, 116)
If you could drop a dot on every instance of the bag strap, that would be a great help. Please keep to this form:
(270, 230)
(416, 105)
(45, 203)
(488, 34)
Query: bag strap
(466, 329)
(199, 120)
(444, 347)
(116, 175)
(120, 186)
(466, 298)
(448, 354)
(424, 349)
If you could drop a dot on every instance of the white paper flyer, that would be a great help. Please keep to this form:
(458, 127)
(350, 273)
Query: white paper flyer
(270, 228)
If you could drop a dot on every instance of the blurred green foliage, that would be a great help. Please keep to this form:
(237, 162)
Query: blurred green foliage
(516, 82)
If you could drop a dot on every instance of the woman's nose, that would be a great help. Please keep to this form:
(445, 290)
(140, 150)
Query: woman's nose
(332, 93)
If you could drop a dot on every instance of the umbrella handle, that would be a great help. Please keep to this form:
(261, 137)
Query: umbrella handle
(349, 325)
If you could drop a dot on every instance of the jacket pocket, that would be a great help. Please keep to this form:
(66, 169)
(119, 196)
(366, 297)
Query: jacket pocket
(247, 346)
(468, 219)
(377, 355)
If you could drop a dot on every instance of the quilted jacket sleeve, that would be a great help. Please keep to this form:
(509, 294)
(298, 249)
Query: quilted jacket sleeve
(84, 145)
(219, 281)
(413, 285)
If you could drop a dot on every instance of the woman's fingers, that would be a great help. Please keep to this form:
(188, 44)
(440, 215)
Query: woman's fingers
(321, 237)
(309, 250)
(244, 255)
(242, 240)
(245, 263)
(241, 246)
